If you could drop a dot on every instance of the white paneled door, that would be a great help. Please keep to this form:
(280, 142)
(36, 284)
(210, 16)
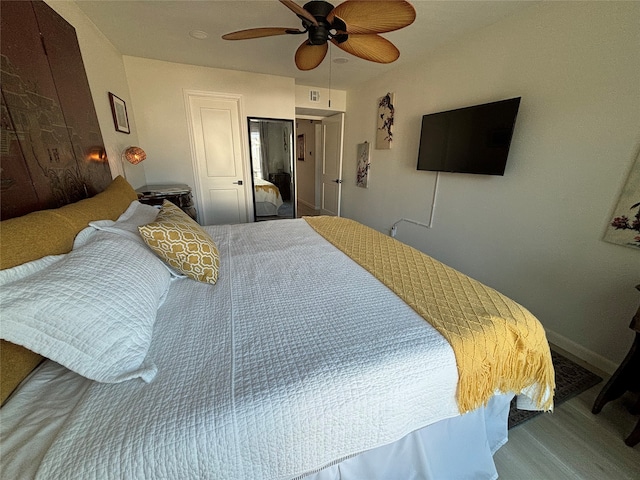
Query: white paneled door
(331, 189)
(217, 147)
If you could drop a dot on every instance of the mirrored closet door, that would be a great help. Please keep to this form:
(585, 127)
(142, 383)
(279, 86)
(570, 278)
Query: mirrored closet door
(271, 142)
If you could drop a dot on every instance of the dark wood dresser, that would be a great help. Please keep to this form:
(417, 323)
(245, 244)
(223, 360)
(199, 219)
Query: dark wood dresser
(625, 378)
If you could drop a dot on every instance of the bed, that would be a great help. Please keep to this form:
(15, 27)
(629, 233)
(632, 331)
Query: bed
(282, 352)
(267, 198)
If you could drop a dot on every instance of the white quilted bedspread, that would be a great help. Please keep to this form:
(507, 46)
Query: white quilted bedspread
(296, 358)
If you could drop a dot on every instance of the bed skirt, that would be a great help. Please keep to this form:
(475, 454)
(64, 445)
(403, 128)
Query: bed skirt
(435, 451)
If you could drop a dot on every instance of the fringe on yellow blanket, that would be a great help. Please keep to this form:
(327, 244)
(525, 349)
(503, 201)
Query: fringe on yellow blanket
(498, 344)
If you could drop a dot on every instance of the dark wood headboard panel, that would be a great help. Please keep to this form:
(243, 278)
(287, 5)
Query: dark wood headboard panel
(51, 147)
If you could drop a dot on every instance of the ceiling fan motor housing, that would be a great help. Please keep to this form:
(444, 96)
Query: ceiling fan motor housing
(318, 8)
(318, 35)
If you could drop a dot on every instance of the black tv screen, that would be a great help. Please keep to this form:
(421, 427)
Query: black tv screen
(468, 140)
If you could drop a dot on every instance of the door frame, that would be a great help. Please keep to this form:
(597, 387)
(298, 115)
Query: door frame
(319, 154)
(292, 164)
(320, 180)
(244, 142)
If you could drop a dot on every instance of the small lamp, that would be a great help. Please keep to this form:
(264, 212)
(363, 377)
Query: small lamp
(97, 154)
(134, 155)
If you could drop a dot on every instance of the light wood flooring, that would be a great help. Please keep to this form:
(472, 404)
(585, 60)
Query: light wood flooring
(303, 210)
(572, 443)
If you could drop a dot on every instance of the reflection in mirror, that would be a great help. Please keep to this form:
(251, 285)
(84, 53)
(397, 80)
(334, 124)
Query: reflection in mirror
(271, 142)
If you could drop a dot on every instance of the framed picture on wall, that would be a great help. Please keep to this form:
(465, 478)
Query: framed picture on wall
(119, 112)
(386, 113)
(364, 163)
(300, 147)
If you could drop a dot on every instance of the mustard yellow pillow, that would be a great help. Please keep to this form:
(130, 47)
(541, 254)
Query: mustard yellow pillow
(51, 232)
(183, 244)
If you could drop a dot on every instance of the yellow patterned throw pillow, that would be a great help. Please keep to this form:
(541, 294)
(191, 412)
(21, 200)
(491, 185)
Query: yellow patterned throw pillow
(183, 244)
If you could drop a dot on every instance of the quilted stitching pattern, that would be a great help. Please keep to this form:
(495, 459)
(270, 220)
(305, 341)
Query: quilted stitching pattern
(92, 311)
(183, 244)
(499, 345)
(298, 357)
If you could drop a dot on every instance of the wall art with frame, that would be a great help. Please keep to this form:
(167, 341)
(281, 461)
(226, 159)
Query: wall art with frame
(119, 112)
(386, 113)
(300, 147)
(364, 164)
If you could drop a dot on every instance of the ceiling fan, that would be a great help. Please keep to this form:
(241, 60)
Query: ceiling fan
(352, 26)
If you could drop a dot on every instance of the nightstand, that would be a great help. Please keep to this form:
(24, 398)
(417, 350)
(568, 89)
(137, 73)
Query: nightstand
(177, 193)
(625, 378)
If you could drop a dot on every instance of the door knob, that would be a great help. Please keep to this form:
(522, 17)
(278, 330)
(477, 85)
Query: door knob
(337, 180)
(239, 182)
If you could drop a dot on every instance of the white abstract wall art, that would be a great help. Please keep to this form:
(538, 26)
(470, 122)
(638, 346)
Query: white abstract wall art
(364, 163)
(624, 228)
(386, 111)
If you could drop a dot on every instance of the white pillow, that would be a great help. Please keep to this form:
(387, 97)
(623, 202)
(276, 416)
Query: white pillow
(127, 224)
(136, 215)
(92, 310)
(26, 269)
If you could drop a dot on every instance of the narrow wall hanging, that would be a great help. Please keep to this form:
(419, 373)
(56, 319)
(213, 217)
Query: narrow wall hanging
(386, 110)
(364, 163)
(300, 147)
(119, 112)
(624, 228)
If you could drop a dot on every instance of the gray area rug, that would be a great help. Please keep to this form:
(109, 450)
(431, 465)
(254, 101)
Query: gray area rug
(571, 380)
(286, 210)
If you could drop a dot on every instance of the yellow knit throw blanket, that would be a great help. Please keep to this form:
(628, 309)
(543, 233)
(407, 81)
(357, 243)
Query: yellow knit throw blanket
(498, 344)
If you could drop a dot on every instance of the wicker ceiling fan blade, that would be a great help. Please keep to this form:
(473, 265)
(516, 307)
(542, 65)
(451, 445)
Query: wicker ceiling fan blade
(259, 33)
(298, 10)
(309, 56)
(370, 47)
(362, 16)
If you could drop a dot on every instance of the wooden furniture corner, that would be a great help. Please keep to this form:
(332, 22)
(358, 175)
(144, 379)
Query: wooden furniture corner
(625, 378)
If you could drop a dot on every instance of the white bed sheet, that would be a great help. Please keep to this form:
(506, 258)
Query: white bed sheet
(458, 448)
(267, 199)
(295, 360)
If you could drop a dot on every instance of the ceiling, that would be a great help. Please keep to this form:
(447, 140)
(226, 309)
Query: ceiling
(160, 30)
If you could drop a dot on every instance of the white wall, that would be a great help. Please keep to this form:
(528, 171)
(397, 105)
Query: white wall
(536, 233)
(105, 73)
(158, 87)
(326, 101)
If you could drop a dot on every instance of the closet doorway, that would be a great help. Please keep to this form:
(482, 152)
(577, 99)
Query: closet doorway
(319, 171)
(273, 176)
(215, 130)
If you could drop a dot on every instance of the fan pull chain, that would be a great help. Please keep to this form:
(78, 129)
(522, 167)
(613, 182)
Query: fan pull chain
(330, 70)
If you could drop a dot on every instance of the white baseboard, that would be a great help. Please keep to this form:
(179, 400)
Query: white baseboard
(581, 352)
(307, 204)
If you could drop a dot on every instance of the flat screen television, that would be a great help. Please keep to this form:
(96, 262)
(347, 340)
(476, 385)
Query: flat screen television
(468, 140)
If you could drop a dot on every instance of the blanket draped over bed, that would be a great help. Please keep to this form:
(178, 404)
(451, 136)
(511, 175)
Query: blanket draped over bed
(486, 330)
(267, 188)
